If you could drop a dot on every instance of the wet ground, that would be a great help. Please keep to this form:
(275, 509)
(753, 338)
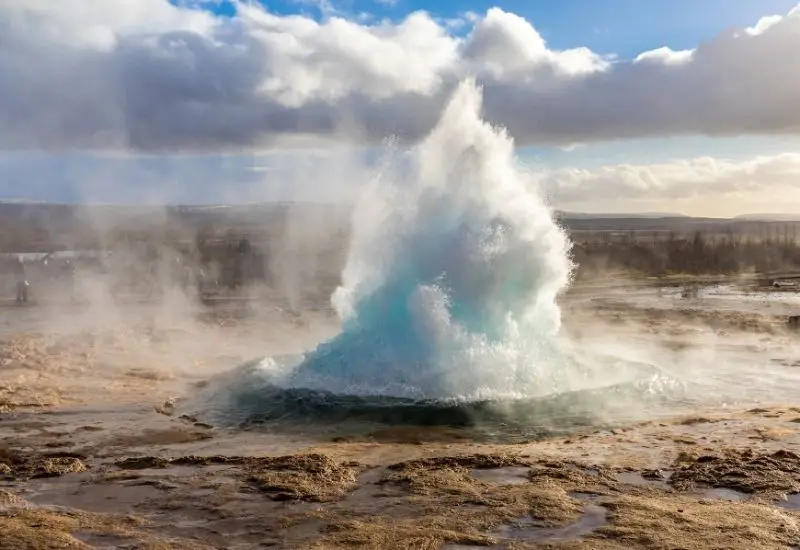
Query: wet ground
(97, 453)
(727, 298)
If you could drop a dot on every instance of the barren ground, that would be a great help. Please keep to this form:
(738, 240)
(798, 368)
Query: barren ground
(94, 455)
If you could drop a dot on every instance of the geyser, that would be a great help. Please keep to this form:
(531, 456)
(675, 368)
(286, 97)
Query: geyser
(448, 296)
(451, 282)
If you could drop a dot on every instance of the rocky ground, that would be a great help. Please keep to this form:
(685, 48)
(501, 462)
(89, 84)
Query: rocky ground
(95, 454)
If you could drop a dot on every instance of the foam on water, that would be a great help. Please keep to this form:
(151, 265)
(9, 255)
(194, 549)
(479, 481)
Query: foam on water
(451, 283)
(449, 291)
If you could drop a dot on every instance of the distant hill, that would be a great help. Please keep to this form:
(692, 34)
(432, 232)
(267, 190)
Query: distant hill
(32, 227)
(632, 215)
(769, 217)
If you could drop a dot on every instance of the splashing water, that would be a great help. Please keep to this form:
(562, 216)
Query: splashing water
(449, 292)
(451, 284)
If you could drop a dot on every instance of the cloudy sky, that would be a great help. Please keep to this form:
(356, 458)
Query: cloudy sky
(620, 105)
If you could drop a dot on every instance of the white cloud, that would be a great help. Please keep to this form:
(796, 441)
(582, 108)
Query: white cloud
(149, 75)
(764, 24)
(510, 48)
(665, 56)
(700, 186)
(703, 186)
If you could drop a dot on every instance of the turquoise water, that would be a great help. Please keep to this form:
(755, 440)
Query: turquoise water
(448, 305)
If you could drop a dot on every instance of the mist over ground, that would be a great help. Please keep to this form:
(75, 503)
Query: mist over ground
(389, 315)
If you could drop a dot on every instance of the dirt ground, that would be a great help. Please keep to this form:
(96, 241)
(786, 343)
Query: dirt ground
(95, 454)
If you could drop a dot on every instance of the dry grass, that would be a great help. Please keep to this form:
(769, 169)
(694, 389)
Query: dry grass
(16, 465)
(683, 522)
(442, 502)
(771, 475)
(309, 477)
(24, 527)
(447, 505)
(380, 533)
(431, 502)
(32, 529)
(314, 478)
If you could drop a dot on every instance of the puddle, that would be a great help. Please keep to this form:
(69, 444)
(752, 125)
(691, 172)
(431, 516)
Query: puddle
(792, 502)
(514, 475)
(104, 541)
(99, 498)
(95, 412)
(157, 483)
(368, 488)
(593, 517)
(652, 479)
(638, 479)
(191, 523)
(724, 494)
(586, 497)
(178, 471)
(242, 518)
(307, 530)
(202, 493)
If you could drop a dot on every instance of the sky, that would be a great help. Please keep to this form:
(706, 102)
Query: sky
(688, 106)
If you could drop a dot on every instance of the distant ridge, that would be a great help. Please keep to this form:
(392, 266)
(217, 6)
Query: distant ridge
(20, 205)
(35, 226)
(630, 215)
(769, 217)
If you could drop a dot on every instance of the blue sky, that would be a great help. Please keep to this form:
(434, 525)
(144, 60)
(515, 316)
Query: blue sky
(622, 27)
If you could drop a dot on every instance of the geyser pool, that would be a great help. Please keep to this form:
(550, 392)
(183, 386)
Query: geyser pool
(448, 297)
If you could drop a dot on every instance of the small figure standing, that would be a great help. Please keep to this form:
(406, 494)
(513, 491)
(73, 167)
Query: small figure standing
(22, 281)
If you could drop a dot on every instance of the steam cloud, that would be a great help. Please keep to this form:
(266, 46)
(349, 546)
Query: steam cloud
(147, 75)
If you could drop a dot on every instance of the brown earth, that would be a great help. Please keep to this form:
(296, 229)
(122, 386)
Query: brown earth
(93, 454)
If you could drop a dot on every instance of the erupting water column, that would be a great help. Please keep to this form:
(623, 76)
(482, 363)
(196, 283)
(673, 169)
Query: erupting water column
(450, 287)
